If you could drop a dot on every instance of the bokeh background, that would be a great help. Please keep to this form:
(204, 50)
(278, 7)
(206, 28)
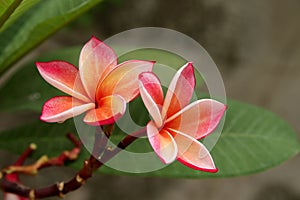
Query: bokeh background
(256, 47)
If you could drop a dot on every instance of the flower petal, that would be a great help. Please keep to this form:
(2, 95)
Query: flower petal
(110, 109)
(95, 62)
(162, 142)
(58, 109)
(198, 119)
(152, 95)
(123, 80)
(11, 196)
(63, 76)
(180, 90)
(193, 154)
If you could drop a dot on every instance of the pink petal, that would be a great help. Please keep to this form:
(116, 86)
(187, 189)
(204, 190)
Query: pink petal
(198, 119)
(109, 110)
(152, 95)
(180, 90)
(95, 62)
(163, 143)
(193, 154)
(11, 196)
(63, 76)
(59, 109)
(123, 80)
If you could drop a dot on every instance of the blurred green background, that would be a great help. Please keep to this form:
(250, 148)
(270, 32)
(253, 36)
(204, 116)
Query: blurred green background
(256, 46)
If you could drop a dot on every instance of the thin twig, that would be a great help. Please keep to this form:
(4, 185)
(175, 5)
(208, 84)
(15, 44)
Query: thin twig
(44, 161)
(62, 188)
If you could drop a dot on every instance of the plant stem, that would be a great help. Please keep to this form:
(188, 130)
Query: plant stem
(89, 166)
(44, 161)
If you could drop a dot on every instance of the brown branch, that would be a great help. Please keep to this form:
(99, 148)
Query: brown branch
(66, 155)
(108, 154)
(12, 174)
(44, 161)
(102, 135)
(12, 179)
(25, 154)
(89, 166)
(10, 182)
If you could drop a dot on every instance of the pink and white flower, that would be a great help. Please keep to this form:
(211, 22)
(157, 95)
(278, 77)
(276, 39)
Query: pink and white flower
(101, 87)
(176, 127)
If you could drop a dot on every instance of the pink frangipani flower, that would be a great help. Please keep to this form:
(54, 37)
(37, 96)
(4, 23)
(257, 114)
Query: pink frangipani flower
(101, 87)
(176, 127)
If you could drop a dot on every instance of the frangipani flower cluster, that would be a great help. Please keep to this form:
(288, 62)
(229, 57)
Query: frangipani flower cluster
(101, 87)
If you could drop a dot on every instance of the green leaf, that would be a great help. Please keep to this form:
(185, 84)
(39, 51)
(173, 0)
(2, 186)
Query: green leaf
(18, 7)
(27, 90)
(4, 5)
(46, 136)
(7, 7)
(34, 22)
